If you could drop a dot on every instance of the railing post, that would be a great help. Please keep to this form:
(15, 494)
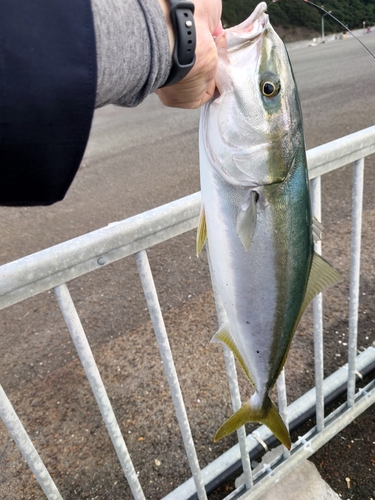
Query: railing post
(230, 366)
(355, 261)
(283, 405)
(153, 305)
(315, 192)
(26, 447)
(81, 343)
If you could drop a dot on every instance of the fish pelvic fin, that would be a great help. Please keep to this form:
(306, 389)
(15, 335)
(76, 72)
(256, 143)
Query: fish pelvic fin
(223, 336)
(247, 220)
(266, 414)
(202, 231)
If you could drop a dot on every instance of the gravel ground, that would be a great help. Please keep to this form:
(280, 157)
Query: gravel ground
(40, 370)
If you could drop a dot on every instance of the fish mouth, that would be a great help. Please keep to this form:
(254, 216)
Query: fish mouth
(247, 32)
(247, 35)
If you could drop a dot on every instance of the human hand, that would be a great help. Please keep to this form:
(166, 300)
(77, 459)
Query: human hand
(198, 86)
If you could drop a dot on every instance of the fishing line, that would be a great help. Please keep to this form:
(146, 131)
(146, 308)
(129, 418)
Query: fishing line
(335, 19)
(343, 25)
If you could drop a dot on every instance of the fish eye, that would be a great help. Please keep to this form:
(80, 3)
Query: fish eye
(269, 86)
(268, 89)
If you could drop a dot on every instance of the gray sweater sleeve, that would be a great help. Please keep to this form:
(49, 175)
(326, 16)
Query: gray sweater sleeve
(133, 52)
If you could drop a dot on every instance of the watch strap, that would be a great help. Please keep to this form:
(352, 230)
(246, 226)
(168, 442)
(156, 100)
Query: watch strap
(183, 57)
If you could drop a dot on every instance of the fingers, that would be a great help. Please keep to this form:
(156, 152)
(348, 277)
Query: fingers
(218, 30)
(198, 86)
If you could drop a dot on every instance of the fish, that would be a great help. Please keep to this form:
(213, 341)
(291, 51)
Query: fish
(256, 213)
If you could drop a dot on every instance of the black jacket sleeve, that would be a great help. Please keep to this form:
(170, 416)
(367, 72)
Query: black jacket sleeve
(47, 96)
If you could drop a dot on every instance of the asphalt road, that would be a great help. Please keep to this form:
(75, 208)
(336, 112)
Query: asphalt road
(137, 159)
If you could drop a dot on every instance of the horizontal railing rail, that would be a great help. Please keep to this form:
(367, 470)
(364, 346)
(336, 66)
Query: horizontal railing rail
(39, 272)
(54, 267)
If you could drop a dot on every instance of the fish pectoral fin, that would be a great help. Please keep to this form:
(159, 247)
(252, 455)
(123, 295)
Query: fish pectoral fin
(223, 336)
(317, 229)
(201, 232)
(322, 276)
(247, 220)
(267, 414)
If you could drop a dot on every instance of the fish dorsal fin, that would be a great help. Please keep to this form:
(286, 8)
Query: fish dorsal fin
(322, 276)
(247, 220)
(202, 231)
(317, 228)
(223, 336)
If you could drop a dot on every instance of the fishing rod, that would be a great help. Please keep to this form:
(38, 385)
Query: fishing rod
(343, 25)
(339, 22)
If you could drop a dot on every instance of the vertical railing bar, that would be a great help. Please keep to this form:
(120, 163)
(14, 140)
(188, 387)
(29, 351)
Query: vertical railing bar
(169, 367)
(355, 262)
(315, 191)
(81, 343)
(234, 389)
(26, 447)
(283, 404)
(230, 366)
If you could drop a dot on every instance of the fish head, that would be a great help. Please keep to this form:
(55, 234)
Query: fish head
(251, 125)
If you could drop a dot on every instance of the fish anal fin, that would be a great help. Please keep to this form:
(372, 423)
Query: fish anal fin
(267, 414)
(322, 276)
(202, 231)
(224, 336)
(247, 220)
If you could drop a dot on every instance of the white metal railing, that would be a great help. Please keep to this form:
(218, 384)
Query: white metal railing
(54, 267)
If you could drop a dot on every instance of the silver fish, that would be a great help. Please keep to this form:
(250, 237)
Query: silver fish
(256, 212)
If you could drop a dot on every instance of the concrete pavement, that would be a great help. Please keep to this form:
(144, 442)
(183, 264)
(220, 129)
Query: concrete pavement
(304, 483)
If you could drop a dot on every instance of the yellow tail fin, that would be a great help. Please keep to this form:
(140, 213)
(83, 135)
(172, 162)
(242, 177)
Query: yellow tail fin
(266, 414)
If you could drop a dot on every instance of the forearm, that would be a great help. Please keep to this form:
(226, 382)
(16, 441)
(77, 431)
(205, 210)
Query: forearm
(133, 43)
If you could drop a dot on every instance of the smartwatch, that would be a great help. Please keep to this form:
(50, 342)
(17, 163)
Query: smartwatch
(183, 57)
